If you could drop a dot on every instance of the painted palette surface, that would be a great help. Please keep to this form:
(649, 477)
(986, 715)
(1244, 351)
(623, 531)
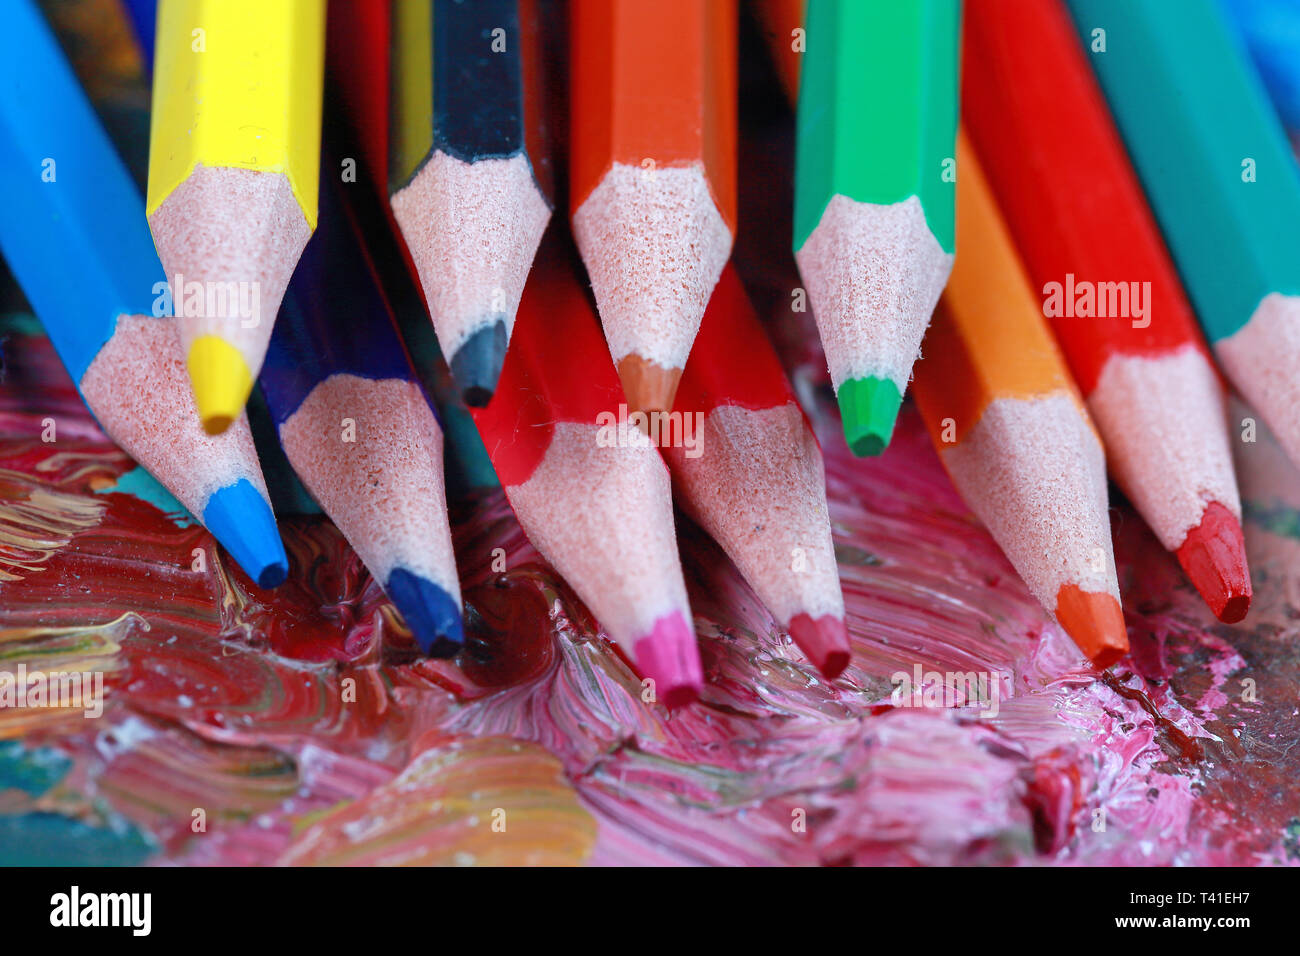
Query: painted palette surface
(300, 726)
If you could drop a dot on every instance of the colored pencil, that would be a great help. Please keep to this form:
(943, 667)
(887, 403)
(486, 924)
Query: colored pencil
(356, 424)
(1031, 103)
(752, 475)
(469, 174)
(234, 156)
(1271, 29)
(593, 497)
(873, 204)
(358, 65)
(653, 175)
(1012, 431)
(73, 234)
(1221, 181)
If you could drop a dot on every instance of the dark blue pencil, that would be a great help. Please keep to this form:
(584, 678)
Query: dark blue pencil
(357, 426)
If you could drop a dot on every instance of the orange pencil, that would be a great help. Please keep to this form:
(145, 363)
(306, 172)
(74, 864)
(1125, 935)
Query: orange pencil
(1012, 430)
(653, 175)
(1032, 103)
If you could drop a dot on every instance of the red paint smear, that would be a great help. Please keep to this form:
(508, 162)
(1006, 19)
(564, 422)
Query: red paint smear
(1185, 746)
(507, 633)
(558, 367)
(1063, 180)
(732, 362)
(315, 616)
(1057, 796)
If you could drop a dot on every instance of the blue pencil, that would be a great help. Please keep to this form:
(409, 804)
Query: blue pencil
(73, 231)
(356, 424)
(1271, 29)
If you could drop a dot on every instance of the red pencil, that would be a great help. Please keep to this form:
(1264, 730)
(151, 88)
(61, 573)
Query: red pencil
(1076, 211)
(753, 475)
(595, 500)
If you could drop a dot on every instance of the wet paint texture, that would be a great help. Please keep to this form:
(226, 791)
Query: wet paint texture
(297, 717)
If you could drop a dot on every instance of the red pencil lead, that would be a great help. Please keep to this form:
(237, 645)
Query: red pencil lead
(1214, 557)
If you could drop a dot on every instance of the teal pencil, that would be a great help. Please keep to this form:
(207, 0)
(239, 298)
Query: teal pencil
(1216, 167)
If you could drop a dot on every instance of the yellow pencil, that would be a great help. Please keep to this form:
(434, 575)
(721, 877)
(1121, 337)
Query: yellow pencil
(234, 158)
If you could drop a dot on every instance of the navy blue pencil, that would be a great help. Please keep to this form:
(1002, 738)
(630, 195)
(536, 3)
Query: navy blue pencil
(356, 424)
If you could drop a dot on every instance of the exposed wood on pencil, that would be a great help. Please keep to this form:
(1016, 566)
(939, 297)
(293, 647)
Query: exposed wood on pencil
(752, 475)
(79, 247)
(594, 498)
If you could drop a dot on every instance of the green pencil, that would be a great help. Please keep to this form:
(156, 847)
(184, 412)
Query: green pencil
(874, 189)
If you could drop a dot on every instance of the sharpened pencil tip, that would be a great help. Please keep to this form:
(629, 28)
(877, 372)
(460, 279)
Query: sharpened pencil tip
(221, 381)
(1214, 557)
(668, 655)
(1095, 622)
(825, 640)
(241, 520)
(868, 408)
(649, 387)
(476, 366)
(432, 614)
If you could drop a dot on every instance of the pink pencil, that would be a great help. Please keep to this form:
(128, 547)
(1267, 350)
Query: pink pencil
(594, 498)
